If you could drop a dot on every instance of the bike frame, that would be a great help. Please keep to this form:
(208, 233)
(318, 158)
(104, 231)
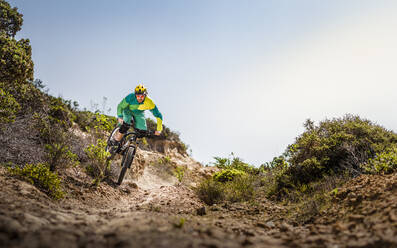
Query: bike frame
(129, 140)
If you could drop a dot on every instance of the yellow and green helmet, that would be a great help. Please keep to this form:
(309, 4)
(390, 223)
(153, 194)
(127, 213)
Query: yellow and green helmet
(140, 89)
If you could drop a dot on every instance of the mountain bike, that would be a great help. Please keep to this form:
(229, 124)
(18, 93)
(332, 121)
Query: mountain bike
(126, 148)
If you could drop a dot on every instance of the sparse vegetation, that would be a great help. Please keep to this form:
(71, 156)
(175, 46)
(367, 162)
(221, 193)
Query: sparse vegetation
(9, 107)
(210, 191)
(98, 159)
(40, 176)
(164, 160)
(179, 172)
(60, 154)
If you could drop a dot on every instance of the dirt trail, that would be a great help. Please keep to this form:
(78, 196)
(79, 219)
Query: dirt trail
(150, 215)
(155, 210)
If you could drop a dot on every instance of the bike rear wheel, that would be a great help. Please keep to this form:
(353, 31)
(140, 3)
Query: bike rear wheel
(126, 163)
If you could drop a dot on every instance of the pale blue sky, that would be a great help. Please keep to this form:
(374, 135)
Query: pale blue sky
(230, 76)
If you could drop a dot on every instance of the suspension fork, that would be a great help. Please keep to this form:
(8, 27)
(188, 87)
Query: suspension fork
(133, 144)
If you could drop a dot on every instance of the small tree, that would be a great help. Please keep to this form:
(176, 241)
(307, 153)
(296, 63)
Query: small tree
(10, 19)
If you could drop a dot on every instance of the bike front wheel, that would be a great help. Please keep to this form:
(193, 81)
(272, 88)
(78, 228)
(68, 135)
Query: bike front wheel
(126, 163)
(108, 146)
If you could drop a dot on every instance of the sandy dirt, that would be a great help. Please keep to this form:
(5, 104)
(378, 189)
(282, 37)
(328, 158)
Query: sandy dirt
(155, 210)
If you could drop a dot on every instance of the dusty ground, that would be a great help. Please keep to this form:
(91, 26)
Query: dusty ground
(155, 210)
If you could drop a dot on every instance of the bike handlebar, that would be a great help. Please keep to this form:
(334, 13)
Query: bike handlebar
(142, 134)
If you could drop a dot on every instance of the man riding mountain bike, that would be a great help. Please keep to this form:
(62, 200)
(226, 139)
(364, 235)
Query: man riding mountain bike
(133, 106)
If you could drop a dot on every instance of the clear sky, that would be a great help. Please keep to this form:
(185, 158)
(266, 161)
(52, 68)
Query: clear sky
(230, 76)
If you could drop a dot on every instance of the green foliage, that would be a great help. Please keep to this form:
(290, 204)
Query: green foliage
(241, 188)
(210, 191)
(98, 156)
(40, 176)
(53, 121)
(16, 63)
(99, 124)
(60, 154)
(332, 147)
(183, 147)
(8, 107)
(45, 128)
(227, 175)
(179, 173)
(104, 123)
(234, 163)
(10, 19)
(84, 119)
(234, 182)
(59, 113)
(164, 160)
(384, 162)
(56, 139)
(307, 201)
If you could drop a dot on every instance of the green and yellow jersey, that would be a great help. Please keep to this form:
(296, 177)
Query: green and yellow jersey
(129, 107)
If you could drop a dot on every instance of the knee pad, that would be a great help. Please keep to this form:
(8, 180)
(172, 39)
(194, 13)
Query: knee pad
(124, 127)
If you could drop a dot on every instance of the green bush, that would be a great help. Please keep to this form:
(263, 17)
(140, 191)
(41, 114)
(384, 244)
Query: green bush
(60, 154)
(98, 158)
(164, 160)
(16, 63)
(227, 175)
(60, 113)
(234, 163)
(235, 182)
(8, 107)
(104, 123)
(98, 124)
(40, 176)
(84, 119)
(56, 140)
(210, 191)
(384, 162)
(10, 19)
(332, 147)
(241, 188)
(179, 173)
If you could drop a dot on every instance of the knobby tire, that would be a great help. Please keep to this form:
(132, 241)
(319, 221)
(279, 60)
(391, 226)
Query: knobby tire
(126, 163)
(110, 136)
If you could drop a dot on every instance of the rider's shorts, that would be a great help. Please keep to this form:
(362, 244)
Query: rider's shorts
(138, 117)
